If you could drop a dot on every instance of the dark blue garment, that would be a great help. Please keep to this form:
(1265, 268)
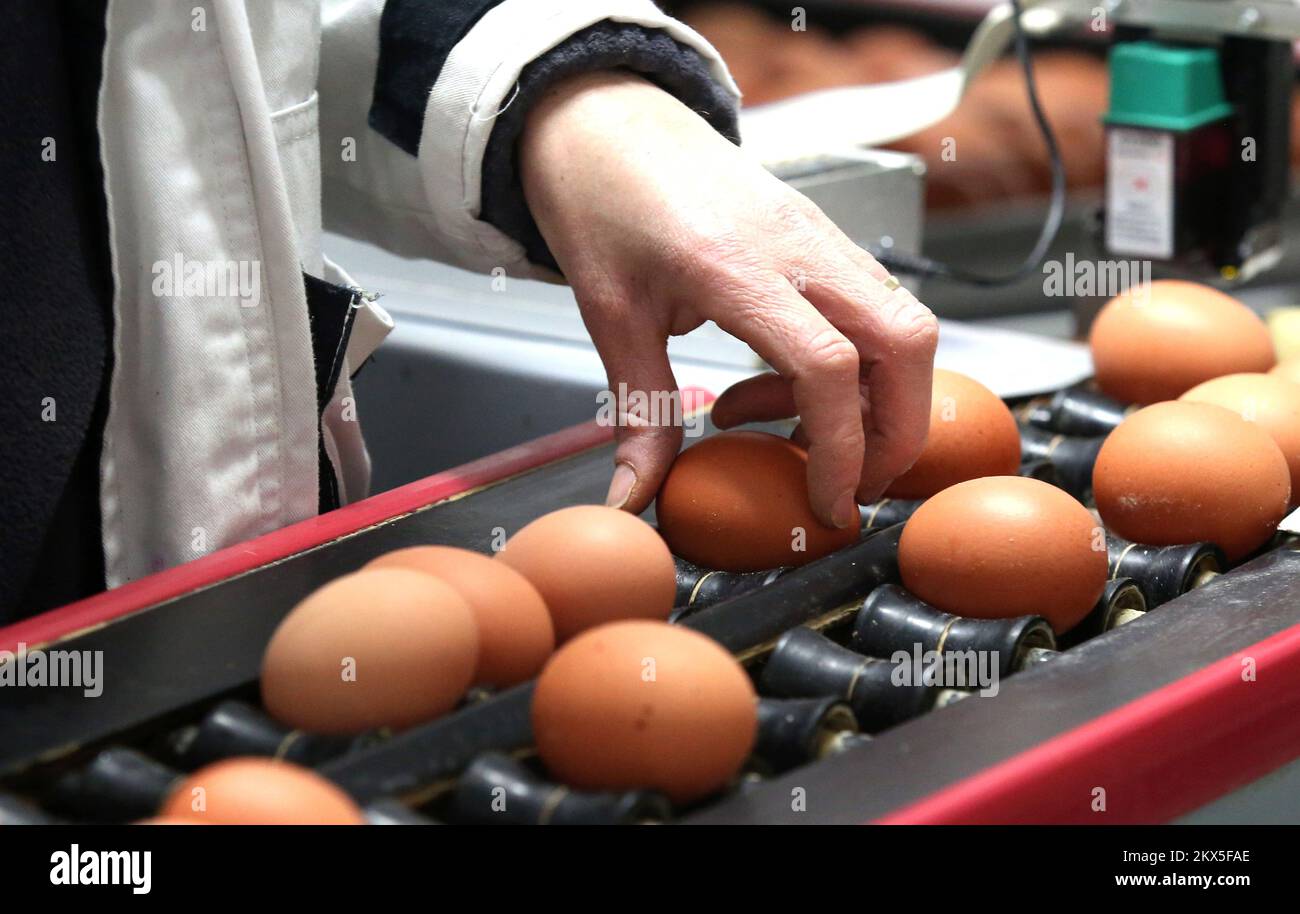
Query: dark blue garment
(57, 312)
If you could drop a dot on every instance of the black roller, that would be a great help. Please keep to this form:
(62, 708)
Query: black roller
(886, 513)
(699, 587)
(1076, 411)
(1073, 457)
(844, 741)
(234, 728)
(478, 694)
(1122, 601)
(117, 785)
(892, 619)
(17, 811)
(497, 790)
(795, 731)
(1164, 572)
(1043, 471)
(805, 664)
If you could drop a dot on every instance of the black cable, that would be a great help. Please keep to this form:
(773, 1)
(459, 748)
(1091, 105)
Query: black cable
(920, 265)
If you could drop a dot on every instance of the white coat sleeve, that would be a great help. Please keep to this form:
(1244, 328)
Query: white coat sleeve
(409, 94)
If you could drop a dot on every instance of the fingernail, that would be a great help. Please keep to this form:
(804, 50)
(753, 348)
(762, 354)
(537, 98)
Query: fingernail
(845, 513)
(620, 487)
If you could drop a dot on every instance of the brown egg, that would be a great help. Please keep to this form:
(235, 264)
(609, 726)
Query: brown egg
(1288, 370)
(258, 791)
(1004, 546)
(885, 53)
(593, 564)
(972, 434)
(644, 705)
(514, 625)
(386, 647)
(1159, 341)
(738, 501)
(1270, 401)
(1188, 473)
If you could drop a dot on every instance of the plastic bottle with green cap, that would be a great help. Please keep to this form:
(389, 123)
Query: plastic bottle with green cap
(1169, 147)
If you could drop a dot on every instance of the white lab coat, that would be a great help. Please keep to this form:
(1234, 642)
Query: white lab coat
(231, 131)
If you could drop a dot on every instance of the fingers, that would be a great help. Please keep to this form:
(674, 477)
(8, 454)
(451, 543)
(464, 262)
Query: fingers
(820, 366)
(647, 415)
(799, 437)
(896, 337)
(762, 398)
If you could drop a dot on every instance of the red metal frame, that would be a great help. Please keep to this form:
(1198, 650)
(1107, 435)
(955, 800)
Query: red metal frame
(315, 531)
(1158, 757)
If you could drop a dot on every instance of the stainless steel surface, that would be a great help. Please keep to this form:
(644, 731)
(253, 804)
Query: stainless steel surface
(875, 198)
(1278, 19)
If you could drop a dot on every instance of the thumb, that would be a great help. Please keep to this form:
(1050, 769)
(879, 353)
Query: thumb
(648, 428)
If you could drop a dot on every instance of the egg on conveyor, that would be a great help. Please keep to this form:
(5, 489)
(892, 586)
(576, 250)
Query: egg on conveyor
(644, 705)
(1191, 472)
(514, 626)
(384, 647)
(1288, 370)
(1270, 401)
(259, 791)
(972, 434)
(1157, 341)
(738, 501)
(1004, 546)
(593, 564)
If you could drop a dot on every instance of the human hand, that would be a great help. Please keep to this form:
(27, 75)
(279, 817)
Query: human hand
(659, 224)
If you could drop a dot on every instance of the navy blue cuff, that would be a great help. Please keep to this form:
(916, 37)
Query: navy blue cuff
(415, 39)
(651, 53)
(416, 36)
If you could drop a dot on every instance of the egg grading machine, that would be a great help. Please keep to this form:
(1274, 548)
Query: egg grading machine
(1136, 723)
(1198, 129)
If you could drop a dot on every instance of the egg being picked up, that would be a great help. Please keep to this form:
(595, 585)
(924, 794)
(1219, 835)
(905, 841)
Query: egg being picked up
(738, 501)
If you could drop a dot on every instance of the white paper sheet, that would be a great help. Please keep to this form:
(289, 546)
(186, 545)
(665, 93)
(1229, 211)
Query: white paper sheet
(1011, 364)
(1291, 523)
